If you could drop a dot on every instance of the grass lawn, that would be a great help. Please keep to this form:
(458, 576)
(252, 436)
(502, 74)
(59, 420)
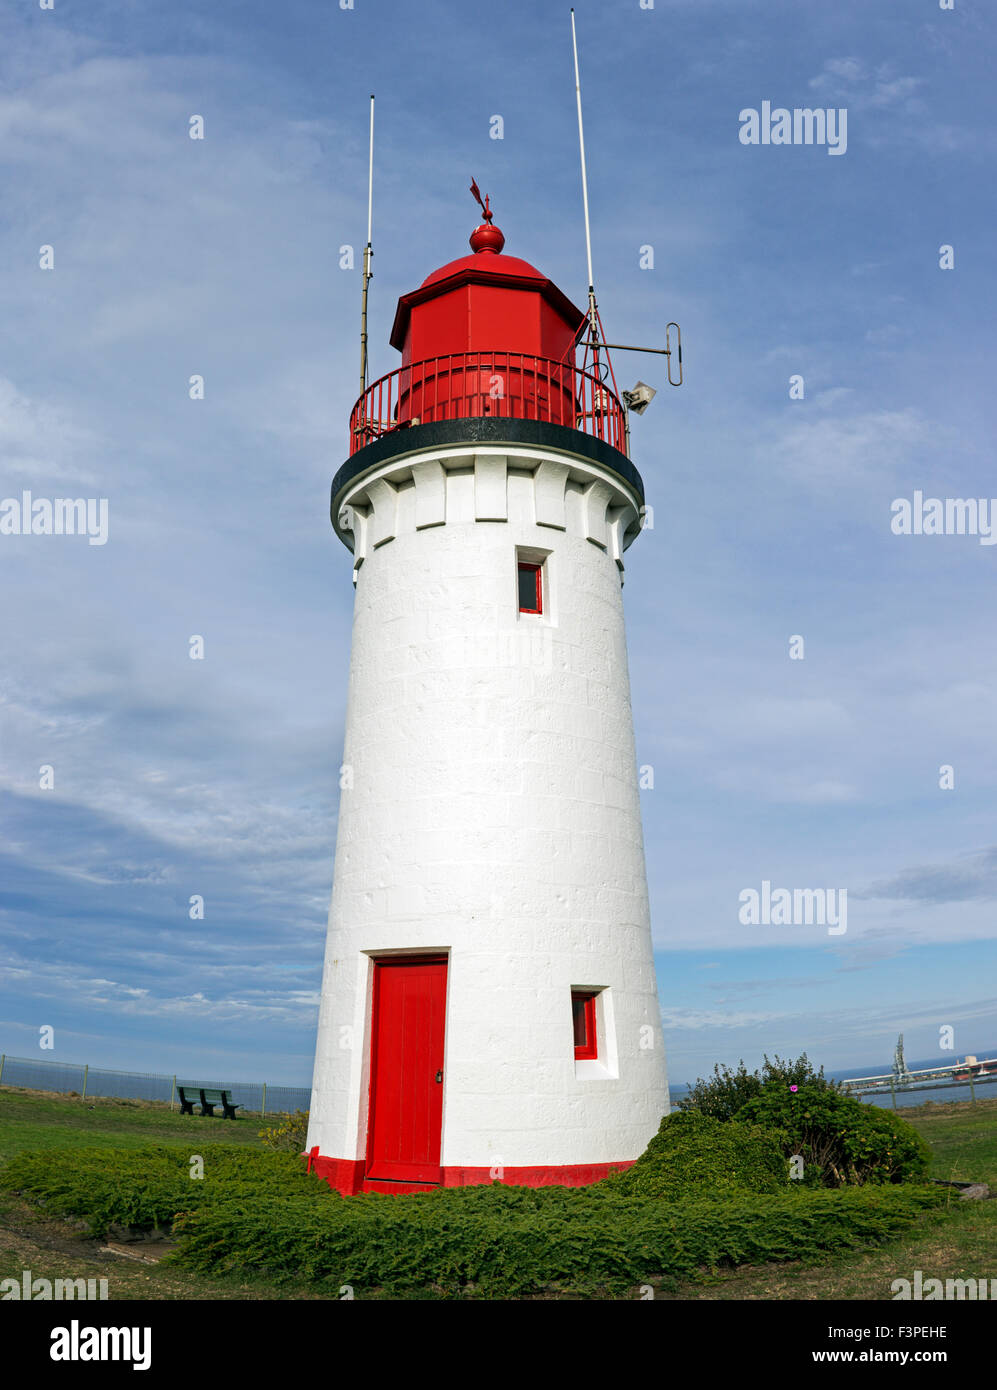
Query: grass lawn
(56, 1249)
(962, 1137)
(42, 1120)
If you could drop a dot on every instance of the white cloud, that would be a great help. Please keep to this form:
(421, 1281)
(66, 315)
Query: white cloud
(869, 448)
(55, 980)
(681, 1020)
(865, 85)
(41, 441)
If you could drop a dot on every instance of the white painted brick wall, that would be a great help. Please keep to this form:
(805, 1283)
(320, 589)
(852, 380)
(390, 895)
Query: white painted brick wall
(495, 807)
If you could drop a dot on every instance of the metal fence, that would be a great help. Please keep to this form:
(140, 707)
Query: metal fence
(255, 1097)
(493, 385)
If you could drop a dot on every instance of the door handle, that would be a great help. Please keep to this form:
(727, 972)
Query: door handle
(439, 1076)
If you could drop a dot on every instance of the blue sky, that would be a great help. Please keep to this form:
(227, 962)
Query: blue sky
(771, 516)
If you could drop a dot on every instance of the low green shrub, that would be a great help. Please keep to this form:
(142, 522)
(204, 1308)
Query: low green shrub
(145, 1187)
(259, 1214)
(841, 1140)
(728, 1090)
(695, 1155)
(508, 1241)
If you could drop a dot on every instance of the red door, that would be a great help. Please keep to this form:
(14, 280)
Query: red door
(406, 1071)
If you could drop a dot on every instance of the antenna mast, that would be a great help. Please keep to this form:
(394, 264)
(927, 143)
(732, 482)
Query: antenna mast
(593, 311)
(594, 317)
(366, 256)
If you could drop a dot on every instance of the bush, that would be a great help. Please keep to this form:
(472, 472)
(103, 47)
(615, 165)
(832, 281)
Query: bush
(728, 1091)
(144, 1188)
(840, 1140)
(695, 1155)
(289, 1134)
(502, 1242)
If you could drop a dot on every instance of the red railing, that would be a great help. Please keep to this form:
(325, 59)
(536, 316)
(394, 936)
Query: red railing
(496, 385)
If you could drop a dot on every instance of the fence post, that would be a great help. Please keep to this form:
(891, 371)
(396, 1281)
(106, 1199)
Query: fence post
(264, 1110)
(173, 1093)
(86, 1073)
(3, 1059)
(972, 1093)
(893, 1093)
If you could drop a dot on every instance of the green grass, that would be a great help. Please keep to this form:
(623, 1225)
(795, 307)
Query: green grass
(40, 1120)
(962, 1137)
(257, 1213)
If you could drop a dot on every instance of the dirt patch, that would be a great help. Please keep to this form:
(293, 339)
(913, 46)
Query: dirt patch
(53, 1249)
(149, 1253)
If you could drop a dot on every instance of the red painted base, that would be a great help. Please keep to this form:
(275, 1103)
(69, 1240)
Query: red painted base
(346, 1175)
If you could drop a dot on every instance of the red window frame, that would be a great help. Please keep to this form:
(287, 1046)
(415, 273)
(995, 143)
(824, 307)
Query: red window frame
(526, 566)
(587, 1048)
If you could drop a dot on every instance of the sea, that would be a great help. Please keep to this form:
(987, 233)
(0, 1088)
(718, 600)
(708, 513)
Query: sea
(946, 1092)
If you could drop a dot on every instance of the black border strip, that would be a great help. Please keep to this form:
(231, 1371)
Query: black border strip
(481, 430)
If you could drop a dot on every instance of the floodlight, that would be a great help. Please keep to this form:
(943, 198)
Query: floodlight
(640, 397)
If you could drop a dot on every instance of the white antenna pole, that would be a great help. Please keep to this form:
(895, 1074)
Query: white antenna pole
(370, 172)
(366, 256)
(585, 190)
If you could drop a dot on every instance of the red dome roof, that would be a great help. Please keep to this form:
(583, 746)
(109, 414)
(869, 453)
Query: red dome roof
(493, 262)
(485, 266)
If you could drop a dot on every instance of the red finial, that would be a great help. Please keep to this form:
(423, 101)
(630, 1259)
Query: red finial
(486, 237)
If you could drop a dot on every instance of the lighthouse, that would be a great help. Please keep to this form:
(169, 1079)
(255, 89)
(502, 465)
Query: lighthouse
(489, 1008)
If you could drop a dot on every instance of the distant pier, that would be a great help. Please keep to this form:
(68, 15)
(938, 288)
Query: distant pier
(955, 1075)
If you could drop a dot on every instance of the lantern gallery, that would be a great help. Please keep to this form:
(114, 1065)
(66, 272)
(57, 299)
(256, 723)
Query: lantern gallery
(801, 126)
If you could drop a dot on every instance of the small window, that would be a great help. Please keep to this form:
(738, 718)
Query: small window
(583, 1018)
(530, 588)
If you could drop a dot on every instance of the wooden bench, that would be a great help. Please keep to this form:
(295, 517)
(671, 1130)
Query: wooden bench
(190, 1094)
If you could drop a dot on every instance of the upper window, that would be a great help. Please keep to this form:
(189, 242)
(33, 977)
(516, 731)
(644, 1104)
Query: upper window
(530, 588)
(583, 1018)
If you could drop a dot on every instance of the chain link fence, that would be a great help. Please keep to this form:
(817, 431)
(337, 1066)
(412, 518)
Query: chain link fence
(254, 1097)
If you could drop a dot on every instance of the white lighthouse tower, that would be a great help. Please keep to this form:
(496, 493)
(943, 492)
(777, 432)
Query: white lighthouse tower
(489, 1006)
